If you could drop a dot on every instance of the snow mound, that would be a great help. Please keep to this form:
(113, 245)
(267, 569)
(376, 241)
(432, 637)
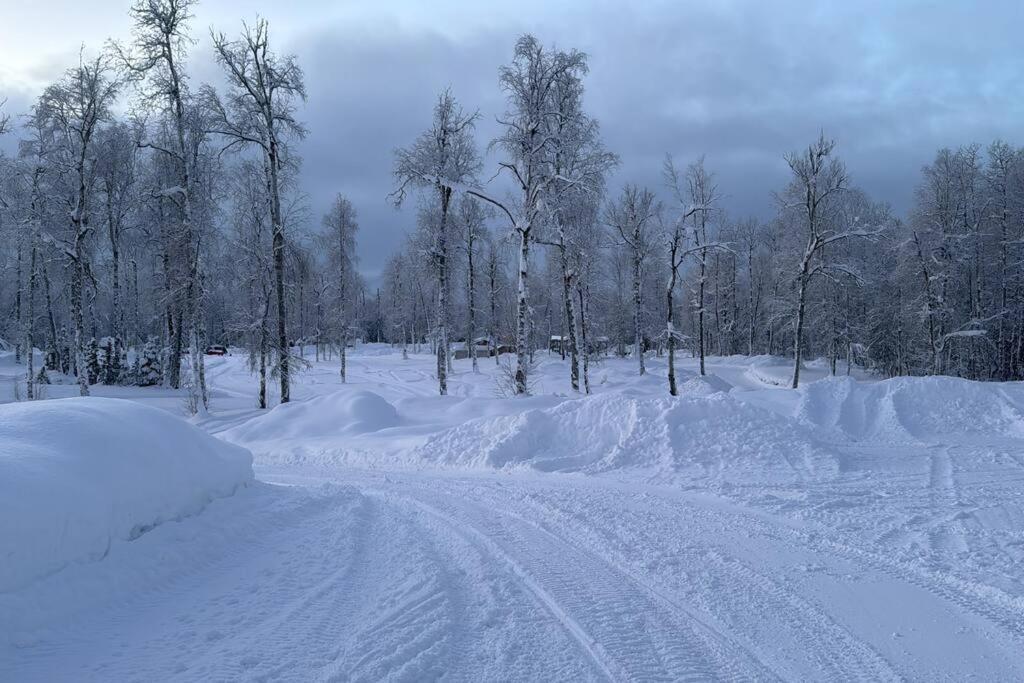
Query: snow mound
(769, 371)
(704, 386)
(341, 413)
(712, 435)
(78, 474)
(914, 409)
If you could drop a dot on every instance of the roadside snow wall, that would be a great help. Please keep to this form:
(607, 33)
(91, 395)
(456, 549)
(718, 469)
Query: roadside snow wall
(78, 474)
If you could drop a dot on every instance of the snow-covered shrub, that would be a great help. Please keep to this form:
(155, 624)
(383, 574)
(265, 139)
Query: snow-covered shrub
(150, 370)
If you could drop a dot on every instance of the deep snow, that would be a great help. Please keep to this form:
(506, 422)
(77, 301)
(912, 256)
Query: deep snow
(853, 529)
(79, 474)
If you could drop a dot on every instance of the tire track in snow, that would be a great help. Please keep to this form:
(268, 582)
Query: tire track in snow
(944, 534)
(737, 590)
(626, 629)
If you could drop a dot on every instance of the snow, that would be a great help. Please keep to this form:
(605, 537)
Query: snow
(77, 475)
(708, 434)
(851, 529)
(915, 410)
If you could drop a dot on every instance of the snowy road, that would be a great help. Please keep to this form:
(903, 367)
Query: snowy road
(413, 576)
(896, 568)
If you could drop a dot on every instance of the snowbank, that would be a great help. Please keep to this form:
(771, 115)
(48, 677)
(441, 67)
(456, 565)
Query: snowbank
(711, 435)
(342, 413)
(914, 409)
(78, 474)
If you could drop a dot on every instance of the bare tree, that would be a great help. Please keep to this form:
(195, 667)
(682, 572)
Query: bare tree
(818, 179)
(76, 106)
(532, 144)
(156, 59)
(116, 164)
(631, 217)
(340, 235)
(260, 111)
(697, 202)
(472, 219)
(442, 159)
(675, 239)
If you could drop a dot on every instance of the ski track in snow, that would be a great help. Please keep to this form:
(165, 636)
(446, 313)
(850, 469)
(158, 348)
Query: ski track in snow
(342, 569)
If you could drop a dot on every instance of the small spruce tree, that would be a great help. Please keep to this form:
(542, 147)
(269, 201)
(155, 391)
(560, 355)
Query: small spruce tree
(93, 361)
(150, 368)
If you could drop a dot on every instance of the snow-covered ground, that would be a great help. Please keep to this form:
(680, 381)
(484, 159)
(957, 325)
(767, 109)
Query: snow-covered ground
(851, 530)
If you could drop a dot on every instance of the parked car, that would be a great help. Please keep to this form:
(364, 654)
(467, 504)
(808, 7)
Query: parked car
(216, 350)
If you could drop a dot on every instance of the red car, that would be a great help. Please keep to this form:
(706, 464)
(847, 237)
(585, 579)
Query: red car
(216, 350)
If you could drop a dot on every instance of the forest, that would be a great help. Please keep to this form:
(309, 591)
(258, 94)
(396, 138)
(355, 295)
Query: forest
(147, 216)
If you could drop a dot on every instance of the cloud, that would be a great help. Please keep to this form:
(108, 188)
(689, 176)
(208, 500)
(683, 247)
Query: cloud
(742, 82)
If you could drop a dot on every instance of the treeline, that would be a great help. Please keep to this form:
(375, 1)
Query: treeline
(130, 243)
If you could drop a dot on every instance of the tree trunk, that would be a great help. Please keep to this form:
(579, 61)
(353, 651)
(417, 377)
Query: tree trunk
(522, 313)
(54, 359)
(670, 331)
(78, 224)
(471, 298)
(442, 294)
(30, 375)
(570, 316)
(284, 371)
(798, 337)
(264, 335)
(700, 310)
(492, 273)
(584, 313)
(638, 304)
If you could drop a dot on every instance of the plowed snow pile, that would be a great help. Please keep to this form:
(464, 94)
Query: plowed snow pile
(914, 409)
(78, 474)
(711, 435)
(342, 413)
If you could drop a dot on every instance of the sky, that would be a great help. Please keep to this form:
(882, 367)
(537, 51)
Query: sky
(740, 82)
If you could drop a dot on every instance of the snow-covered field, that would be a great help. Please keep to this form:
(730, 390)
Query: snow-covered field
(851, 530)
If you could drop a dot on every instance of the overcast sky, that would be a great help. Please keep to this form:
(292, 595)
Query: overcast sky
(741, 82)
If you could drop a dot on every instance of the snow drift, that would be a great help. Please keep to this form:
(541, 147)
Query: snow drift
(341, 413)
(914, 409)
(708, 435)
(78, 474)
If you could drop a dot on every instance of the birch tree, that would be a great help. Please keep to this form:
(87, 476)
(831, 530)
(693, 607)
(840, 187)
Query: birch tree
(818, 179)
(340, 227)
(472, 219)
(76, 106)
(632, 217)
(531, 144)
(442, 159)
(260, 112)
(156, 59)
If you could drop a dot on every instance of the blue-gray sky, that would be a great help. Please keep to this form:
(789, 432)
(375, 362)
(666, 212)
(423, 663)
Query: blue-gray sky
(742, 82)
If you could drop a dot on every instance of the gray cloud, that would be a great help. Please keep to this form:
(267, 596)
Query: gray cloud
(742, 82)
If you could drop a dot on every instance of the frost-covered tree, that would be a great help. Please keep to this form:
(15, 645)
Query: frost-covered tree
(259, 111)
(156, 60)
(532, 145)
(76, 106)
(471, 218)
(632, 217)
(150, 370)
(818, 179)
(696, 197)
(442, 159)
(340, 226)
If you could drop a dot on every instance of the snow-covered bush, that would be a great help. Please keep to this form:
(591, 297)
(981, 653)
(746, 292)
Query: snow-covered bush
(150, 370)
